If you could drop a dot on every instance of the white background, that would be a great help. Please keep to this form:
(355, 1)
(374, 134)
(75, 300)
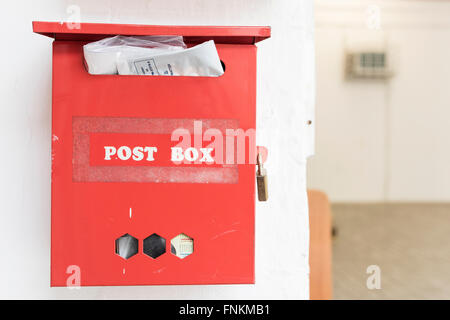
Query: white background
(285, 101)
(383, 141)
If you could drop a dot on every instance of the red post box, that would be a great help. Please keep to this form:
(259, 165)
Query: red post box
(129, 205)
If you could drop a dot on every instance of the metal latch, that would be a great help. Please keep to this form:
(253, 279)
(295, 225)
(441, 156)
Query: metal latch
(261, 179)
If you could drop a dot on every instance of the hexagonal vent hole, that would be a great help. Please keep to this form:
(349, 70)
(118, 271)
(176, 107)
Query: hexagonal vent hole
(154, 246)
(126, 246)
(182, 245)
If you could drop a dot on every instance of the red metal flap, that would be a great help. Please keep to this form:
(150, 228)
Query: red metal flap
(191, 34)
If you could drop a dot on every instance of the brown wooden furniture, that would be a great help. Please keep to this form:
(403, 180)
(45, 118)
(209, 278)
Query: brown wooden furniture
(320, 286)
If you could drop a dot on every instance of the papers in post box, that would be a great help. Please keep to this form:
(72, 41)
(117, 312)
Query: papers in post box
(201, 60)
(152, 55)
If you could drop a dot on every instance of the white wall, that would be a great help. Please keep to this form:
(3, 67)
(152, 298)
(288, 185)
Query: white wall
(285, 98)
(381, 141)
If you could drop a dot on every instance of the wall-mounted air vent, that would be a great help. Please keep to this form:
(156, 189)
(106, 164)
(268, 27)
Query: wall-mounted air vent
(367, 65)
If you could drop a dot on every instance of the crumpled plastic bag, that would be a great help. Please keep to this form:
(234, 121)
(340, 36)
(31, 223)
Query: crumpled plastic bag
(101, 56)
(152, 55)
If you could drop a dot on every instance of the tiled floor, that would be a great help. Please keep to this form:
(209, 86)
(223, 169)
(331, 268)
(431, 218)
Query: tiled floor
(409, 242)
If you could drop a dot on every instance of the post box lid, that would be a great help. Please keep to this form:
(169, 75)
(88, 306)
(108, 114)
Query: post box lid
(191, 34)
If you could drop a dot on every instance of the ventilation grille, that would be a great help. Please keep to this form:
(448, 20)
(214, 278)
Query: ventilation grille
(367, 65)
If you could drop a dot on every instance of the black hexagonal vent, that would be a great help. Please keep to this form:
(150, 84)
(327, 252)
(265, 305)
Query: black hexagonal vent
(154, 246)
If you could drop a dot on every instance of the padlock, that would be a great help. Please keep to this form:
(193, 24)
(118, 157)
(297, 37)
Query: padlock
(261, 180)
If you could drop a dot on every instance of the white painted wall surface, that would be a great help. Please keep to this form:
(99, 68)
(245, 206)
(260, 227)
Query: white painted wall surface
(285, 101)
(383, 141)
